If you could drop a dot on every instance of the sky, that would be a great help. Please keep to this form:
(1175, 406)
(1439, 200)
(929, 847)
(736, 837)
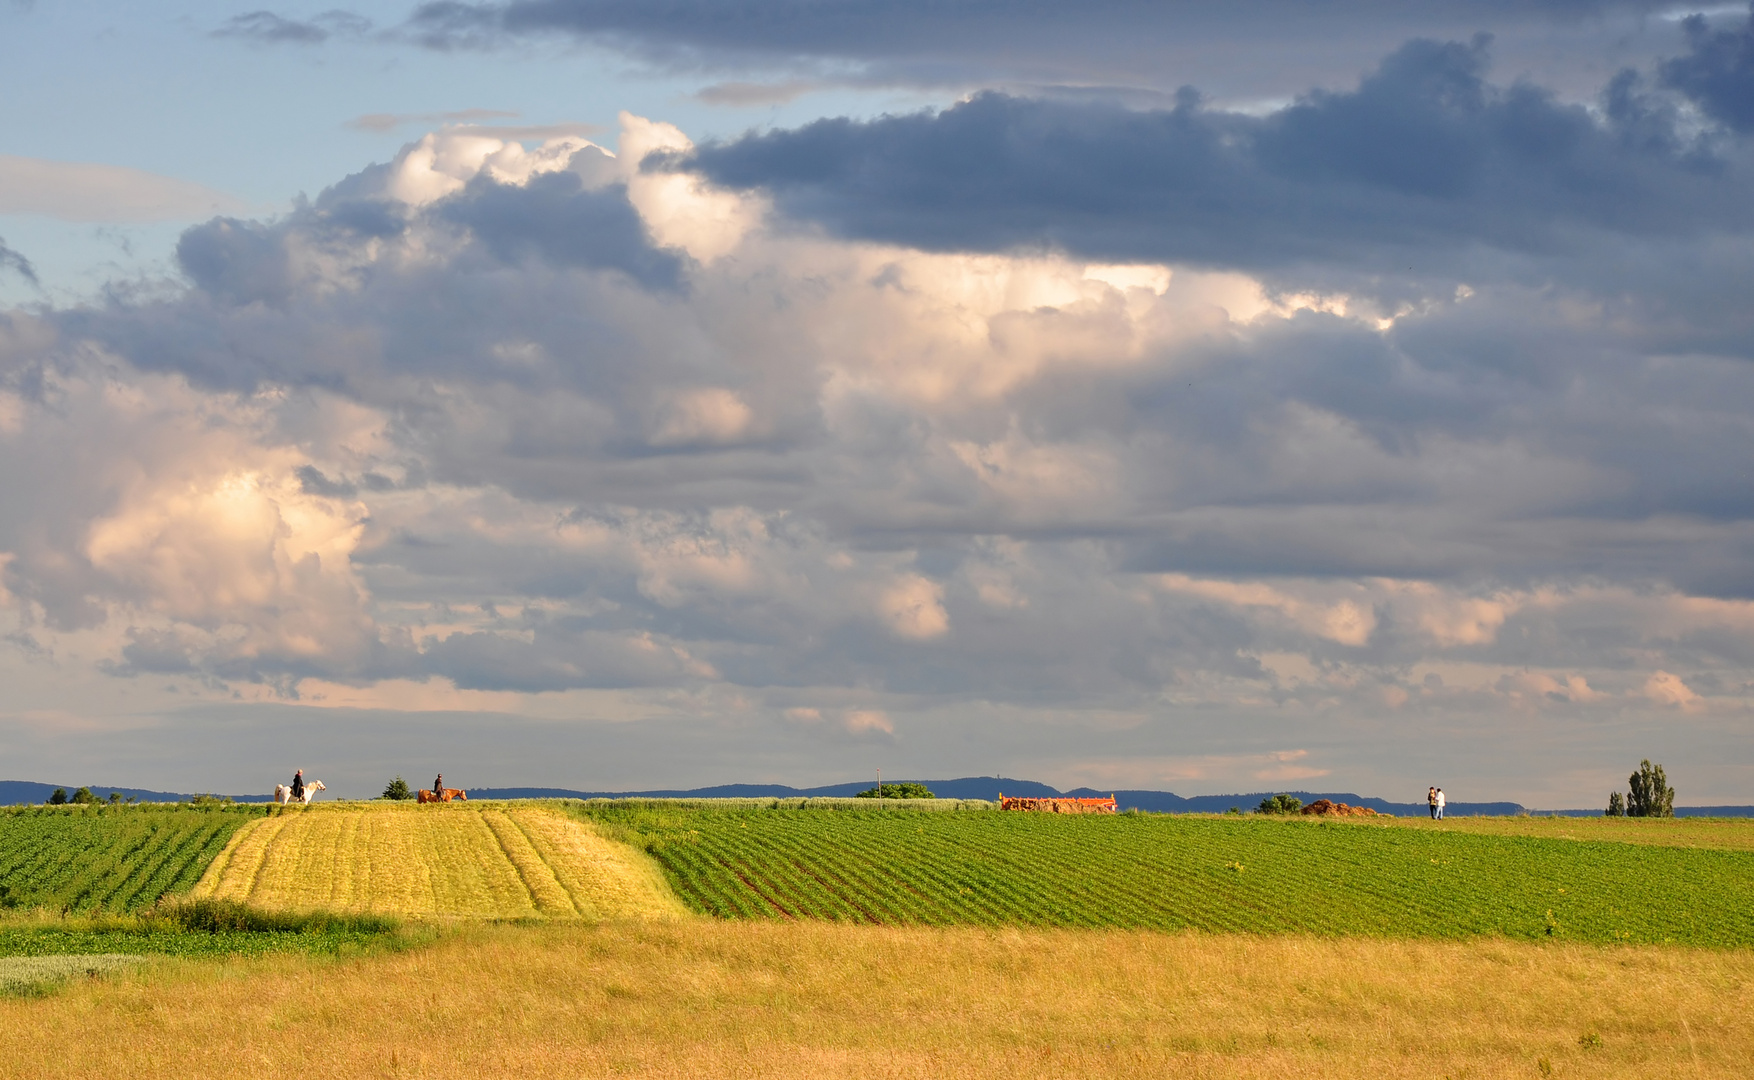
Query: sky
(620, 394)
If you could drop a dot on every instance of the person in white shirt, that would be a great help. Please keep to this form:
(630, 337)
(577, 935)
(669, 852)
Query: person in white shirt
(1440, 804)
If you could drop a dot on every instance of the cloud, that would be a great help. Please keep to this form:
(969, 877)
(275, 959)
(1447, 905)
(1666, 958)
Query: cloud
(1717, 72)
(868, 722)
(267, 28)
(913, 608)
(1666, 689)
(18, 264)
(745, 94)
(1421, 168)
(83, 191)
(542, 428)
(1108, 43)
(380, 123)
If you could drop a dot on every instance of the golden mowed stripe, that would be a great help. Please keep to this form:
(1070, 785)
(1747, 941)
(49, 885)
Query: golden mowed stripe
(452, 860)
(606, 880)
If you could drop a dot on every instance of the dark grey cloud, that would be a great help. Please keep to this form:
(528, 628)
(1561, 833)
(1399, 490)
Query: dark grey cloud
(1422, 167)
(240, 262)
(554, 218)
(1718, 71)
(925, 28)
(1132, 49)
(268, 28)
(17, 263)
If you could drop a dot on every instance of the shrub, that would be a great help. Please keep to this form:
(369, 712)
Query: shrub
(1651, 796)
(1616, 806)
(907, 790)
(59, 798)
(222, 916)
(83, 797)
(1281, 804)
(397, 789)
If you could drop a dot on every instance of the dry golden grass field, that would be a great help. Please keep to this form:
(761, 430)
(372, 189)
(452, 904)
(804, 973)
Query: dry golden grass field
(494, 860)
(702, 998)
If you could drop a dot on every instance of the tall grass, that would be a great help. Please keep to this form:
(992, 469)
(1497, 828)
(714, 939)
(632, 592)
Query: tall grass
(704, 999)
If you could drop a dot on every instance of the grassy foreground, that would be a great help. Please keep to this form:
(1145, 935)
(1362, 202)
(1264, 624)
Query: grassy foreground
(495, 860)
(1217, 874)
(759, 999)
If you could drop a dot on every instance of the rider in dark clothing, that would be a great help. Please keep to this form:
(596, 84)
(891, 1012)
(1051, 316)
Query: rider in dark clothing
(298, 784)
(438, 786)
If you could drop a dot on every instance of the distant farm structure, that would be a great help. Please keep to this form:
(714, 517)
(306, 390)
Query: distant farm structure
(1058, 805)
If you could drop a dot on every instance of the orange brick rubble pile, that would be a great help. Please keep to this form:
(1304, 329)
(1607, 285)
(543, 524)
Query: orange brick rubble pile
(1059, 806)
(1324, 808)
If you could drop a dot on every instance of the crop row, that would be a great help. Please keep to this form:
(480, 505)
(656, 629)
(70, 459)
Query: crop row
(118, 858)
(1218, 874)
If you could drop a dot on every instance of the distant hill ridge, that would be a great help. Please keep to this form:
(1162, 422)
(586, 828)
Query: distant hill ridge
(18, 792)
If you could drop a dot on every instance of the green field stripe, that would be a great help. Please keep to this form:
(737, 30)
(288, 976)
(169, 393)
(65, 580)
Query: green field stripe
(168, 854)
(872, 892)
(1171, 873)
(114, 857)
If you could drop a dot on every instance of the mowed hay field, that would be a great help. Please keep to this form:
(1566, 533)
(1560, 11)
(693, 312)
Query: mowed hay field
(710, 998)
(1219, 874)
(457, 859)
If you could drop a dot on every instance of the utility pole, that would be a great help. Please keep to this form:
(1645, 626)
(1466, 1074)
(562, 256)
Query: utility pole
(879, 783)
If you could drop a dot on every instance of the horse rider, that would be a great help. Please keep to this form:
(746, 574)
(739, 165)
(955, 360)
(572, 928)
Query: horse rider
(298, 784)
(438, 786)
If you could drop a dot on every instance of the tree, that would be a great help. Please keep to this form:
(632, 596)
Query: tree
(1651, 796)
(59, 798)
(907, 790)
(83, 796)
(1616, 805)
(397, 789)
(1281, 804)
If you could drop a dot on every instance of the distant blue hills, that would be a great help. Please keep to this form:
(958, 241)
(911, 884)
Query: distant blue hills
(19, 792)
(25, 792)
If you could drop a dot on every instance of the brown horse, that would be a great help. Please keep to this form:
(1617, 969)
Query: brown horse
(444, 795)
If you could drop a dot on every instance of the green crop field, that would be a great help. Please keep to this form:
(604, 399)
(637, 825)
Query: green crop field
(117, 858)
(1218, 874)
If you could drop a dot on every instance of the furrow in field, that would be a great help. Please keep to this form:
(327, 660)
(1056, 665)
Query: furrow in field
(237, 879)
(604, 879)
(548, 894)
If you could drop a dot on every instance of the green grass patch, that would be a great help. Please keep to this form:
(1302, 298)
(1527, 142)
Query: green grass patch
(114, 858)
(204, 928)
(1173, 872)
(37, 976)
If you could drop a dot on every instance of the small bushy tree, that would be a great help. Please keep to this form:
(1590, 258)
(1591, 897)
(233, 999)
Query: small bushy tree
(1281, 804)
(397, 789)
(909, 790)
(59, 798)
(1616, 805)
(83, 796)
(1651, 796)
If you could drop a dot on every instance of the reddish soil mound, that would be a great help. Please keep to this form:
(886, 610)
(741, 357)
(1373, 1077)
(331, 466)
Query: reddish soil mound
(1324, 808)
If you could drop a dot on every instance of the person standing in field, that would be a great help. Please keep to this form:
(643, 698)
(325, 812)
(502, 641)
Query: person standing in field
(298, 784)
(438, 786)
(1431, 802)
(1439, 806)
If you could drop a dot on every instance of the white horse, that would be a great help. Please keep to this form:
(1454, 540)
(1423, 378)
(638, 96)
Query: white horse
(283, 792)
